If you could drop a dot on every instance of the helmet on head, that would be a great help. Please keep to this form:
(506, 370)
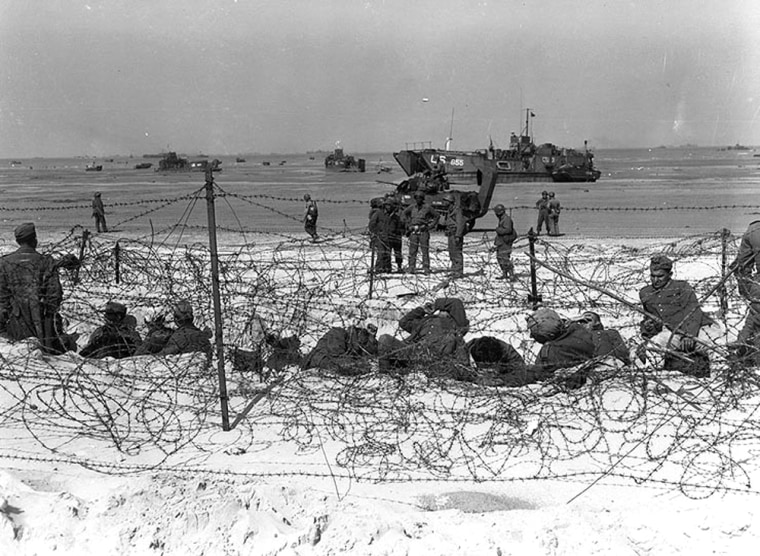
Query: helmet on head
(544, 193)
(499, 209)
(447, 198)
(419, 194)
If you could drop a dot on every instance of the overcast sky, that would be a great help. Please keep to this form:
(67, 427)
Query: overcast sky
(226, 77)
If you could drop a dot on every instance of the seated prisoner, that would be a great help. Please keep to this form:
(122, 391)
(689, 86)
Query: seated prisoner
(187, 338)
(344, 350)
(435, 340)
(564, 344)
(117, 337)
(676, 333)
(158, 334)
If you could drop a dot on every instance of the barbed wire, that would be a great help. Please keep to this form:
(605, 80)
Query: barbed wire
(640, 424)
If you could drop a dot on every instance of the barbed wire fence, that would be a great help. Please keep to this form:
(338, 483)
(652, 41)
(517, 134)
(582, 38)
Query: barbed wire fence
(637, 423)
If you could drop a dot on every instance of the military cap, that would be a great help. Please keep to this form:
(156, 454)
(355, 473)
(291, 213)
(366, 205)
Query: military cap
(499, 208)
(544, 192)
(25, 231)
(97, 193)
(183, 311)
(115, 308)
(660, 262)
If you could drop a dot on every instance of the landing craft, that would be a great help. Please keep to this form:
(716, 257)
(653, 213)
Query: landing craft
(338, 161)
(522, 161)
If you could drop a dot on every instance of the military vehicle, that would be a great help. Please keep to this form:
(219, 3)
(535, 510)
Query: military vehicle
(522, 161)
(338, 161)
(439, 195)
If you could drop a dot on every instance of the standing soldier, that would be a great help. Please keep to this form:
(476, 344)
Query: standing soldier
(455, 229)
(311, 213)
(30, 292)
(505, 237)
(396, 232)
(418, 219)
(379, 231)
(554, 209)
(543, 212)
(99, 213)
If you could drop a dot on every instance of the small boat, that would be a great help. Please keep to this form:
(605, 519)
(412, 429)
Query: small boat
(266, 163)
(239, 159)
(92, 167)
(143, 165)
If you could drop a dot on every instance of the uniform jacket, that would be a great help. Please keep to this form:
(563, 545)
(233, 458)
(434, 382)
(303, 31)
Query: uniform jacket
(455, 221)
(422, 218)
(748, 258)
(554, 207)
(312, 212)
(30, 293)
(573, 346)
(440, 333)
(380, 226)
(505, 231)
(676, 305)
(610, 342)
(339, 346)
(188, 338)
(113, 339)
(543, 205)
(97, 207)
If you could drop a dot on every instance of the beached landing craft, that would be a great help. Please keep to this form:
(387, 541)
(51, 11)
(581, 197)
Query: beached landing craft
(171, 162)
(337, 161)
(522, 161)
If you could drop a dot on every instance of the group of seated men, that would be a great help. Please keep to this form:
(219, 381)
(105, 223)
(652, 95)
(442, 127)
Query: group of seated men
(118, 336)
(674, 334)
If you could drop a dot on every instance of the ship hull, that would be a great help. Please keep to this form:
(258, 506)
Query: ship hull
(545, 163)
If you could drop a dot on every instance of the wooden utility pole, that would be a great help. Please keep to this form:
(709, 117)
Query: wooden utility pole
(534, 299)
(215, 294)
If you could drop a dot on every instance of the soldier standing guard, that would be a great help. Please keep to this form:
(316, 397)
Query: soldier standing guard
(99, 213)
(311, 213)
(554, 209)
(455, 230)
(30, 292)
(418, 219)
(543, 212)
(505, 237)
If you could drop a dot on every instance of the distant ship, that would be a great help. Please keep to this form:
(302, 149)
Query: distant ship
(143, 165)
(92, 167)
(174, 163)
(337, 161)
(522, 161)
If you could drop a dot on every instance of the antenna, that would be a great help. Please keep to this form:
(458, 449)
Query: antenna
(450, 138)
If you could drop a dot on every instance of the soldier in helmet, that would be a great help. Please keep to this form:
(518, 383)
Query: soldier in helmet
(542, 205)
(505, 237)
(419, 218)
(311, 214)
(99, 213)
(187, 338)
(380, 231)
(396, 232)
(455, 230)
(117, 337)
(554, 210)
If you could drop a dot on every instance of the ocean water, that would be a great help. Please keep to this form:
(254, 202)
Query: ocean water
(662, 192)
